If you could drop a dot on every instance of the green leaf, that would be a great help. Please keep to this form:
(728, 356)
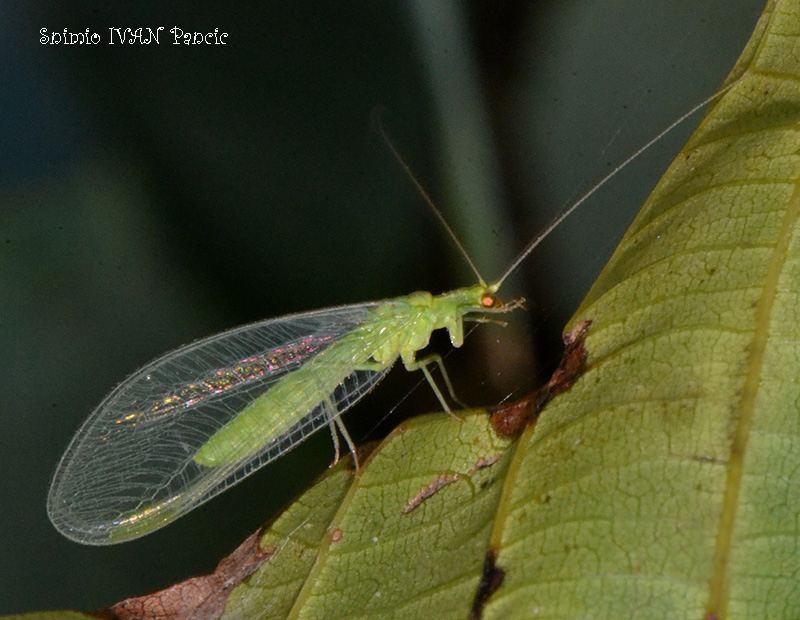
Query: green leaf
(51, 615)
(663, 484)
(409, 537)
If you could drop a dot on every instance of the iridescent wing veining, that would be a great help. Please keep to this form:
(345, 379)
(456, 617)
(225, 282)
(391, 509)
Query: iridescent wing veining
(131, 467)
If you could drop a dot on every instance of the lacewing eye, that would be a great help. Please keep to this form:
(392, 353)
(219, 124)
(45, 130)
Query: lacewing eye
(490, 300)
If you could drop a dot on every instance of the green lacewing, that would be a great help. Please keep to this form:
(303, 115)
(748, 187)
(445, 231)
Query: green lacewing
(198, 420)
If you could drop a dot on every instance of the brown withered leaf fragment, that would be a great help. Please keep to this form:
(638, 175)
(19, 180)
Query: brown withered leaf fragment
(491, 579)
(198, 598)
(573, 362)
(510, 419)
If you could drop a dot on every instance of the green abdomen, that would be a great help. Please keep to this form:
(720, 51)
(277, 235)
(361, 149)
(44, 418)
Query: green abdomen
(291, 399)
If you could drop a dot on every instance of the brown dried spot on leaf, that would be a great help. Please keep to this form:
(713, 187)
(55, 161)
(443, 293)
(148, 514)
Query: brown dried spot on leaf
(485, 461)
(510, 419)
(428, 490)
(198, 598)
(491, 579)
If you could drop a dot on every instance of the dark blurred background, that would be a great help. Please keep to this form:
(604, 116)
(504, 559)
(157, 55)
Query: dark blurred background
(154, 194)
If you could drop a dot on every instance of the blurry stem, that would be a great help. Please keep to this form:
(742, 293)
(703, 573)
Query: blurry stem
(466, 156)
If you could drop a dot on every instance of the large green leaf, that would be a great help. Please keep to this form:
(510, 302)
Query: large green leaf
(662, 485)
(665, 483)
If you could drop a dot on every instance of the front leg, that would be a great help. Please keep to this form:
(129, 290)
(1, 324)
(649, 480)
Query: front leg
(411, 363)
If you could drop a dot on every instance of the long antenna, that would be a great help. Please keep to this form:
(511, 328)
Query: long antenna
(569, 210)
(425, 196)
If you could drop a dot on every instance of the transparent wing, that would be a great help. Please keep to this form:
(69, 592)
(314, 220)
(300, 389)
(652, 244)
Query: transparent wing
(130, 468)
